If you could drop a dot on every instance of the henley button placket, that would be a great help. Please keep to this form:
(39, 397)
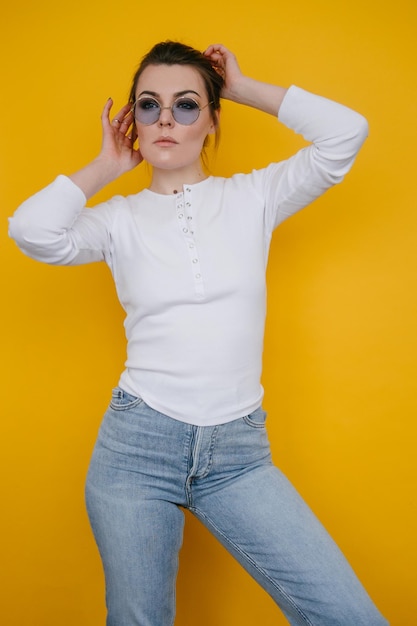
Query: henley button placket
(185, 222)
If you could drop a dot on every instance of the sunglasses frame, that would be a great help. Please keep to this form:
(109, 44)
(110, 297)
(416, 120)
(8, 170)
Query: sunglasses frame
(161, 108)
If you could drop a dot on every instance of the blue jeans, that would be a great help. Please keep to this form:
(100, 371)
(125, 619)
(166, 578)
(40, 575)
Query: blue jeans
(146, 467)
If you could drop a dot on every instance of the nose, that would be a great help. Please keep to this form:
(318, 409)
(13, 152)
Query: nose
(165, 117)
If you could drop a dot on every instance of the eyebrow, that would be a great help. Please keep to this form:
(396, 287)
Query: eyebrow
(178, 94)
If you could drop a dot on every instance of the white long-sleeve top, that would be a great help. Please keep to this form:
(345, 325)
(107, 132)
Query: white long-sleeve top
(189, 268)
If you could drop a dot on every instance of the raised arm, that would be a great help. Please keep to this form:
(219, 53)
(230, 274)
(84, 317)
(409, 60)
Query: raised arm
(117, 154)
(335, 133)
(41, 226)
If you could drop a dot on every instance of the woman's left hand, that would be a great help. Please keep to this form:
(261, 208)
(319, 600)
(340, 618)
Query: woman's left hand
(241, 88)
(225, 63)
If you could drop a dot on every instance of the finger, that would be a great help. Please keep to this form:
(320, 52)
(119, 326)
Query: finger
(218, 56)
(214, 47)
(128, 119)
(122, 120)
(122, 114)
(216, 52)
(106, 111)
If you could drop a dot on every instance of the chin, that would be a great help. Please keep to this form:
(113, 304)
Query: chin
(171, 158)
(171, 162)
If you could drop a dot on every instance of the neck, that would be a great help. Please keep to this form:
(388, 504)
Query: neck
(172, 181)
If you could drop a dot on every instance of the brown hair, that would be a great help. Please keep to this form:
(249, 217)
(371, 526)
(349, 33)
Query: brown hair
(176, 53)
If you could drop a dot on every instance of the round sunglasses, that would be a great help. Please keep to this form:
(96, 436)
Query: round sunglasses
(184, 110)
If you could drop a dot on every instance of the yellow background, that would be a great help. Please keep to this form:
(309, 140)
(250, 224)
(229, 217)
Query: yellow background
(340, 356)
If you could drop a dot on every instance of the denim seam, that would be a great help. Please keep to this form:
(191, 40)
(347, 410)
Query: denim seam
(252, 423)
(253, 563)
(195, 443)
(125, 407)
(210, 452)
(196, 453)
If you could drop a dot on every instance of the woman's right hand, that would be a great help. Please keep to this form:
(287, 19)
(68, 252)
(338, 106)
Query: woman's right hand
(119, 136)
(117, 156)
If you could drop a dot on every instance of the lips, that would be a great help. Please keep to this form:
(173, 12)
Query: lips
(165, 141)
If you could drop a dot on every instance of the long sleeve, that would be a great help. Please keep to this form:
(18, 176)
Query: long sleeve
(336, 134)
(189, 268)
(54, 226)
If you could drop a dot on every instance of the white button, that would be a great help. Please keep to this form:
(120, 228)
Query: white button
(185, 230)
(198, 275)
(181, 215)
(189, 218)
(188, 204)
(191, 245)
(195, 260)
(187, 189)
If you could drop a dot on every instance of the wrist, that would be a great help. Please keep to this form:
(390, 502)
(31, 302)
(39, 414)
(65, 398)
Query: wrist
(106, 169)
(259, 95)
(96, 175)
(239, 89)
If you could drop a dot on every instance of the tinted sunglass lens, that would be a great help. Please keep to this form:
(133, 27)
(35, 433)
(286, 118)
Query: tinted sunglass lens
(185, 111)
(147, 111)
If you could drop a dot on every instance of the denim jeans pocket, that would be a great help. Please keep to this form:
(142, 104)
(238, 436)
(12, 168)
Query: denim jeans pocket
(256, 419)
(122, 400)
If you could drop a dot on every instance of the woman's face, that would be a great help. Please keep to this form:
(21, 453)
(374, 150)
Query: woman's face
(167, 144)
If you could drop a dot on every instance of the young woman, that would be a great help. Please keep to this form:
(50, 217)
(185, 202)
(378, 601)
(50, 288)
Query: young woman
(185, 428)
